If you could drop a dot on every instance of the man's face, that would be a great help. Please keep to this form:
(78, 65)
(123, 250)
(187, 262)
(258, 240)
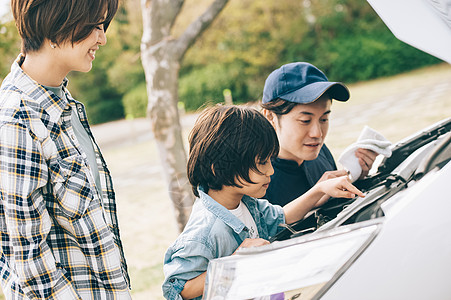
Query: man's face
(302, 131)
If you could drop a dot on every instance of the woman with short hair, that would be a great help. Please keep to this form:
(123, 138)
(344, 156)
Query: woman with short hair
(59, 228)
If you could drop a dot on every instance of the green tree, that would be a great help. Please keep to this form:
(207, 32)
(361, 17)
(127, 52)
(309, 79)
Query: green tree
(345, 38)
(253, 32)
(9, 46)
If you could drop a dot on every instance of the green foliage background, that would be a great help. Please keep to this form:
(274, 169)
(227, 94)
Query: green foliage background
(249, 39)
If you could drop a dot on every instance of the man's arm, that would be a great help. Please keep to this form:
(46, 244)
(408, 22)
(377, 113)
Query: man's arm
(23, 173)
(336, 187)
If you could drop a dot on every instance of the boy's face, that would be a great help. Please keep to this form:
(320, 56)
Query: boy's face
(302, 131)
(261, 181)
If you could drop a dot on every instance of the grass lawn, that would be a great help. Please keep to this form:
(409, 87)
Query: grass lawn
(396, 107)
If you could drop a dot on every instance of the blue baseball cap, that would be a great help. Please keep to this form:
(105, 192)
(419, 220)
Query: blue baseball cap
(301, 82)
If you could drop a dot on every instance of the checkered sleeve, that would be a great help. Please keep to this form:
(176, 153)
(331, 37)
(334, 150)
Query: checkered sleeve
(23, 173)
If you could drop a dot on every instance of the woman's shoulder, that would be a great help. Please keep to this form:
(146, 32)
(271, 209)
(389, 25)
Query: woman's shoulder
(17, 96)
(11, 105)
(10, 93)
(20, 109)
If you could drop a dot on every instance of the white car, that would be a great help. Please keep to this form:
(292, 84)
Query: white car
(393, 244)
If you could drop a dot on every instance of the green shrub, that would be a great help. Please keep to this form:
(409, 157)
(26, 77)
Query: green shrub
(9, 47)
(206, 85)
(360, 57)
(364, 57)
(105, 111)
(135, 102)
(102, 100)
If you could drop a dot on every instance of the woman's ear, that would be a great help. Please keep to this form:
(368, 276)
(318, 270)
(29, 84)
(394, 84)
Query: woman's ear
(269, 115)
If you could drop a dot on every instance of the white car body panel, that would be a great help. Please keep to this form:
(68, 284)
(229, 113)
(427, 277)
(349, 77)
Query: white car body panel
(394, 266)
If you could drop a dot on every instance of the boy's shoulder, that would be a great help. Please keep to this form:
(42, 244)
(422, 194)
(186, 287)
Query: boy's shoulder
(203, 221)
(205, 226)
(257, 204)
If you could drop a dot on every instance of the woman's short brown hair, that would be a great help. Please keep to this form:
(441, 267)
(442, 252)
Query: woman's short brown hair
(60, 21)
(226, 143)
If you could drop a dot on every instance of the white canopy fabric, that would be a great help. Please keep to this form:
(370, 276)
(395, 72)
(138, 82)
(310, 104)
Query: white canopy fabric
(423, 24)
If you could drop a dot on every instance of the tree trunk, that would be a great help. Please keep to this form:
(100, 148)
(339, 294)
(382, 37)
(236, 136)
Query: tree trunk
(162, 81)
(161, 57)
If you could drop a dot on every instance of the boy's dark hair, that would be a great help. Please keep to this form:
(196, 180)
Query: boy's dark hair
(225, 144)
(59, 21)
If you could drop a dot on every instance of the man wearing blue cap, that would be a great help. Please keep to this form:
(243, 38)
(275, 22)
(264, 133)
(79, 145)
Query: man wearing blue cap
(296, 100)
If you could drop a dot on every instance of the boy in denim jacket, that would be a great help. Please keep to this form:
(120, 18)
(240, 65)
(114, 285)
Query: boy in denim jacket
(229, 168)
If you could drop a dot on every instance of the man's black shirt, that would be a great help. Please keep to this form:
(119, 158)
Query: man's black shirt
(290, 180)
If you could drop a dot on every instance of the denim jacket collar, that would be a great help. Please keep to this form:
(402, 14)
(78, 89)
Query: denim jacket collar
(228, 218)
(220, 212)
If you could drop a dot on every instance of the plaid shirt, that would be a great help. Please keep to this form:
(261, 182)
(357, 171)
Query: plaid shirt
(59, 237)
